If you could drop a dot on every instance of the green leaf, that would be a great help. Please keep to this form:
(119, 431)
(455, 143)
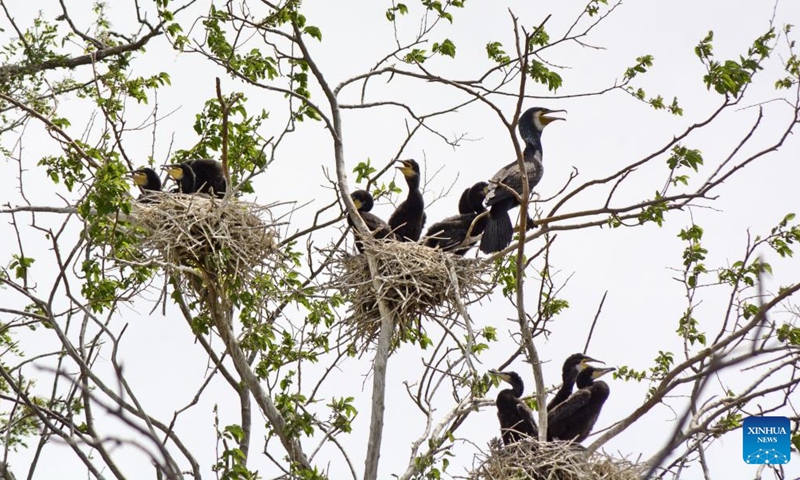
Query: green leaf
(445, 48)
(314, 32)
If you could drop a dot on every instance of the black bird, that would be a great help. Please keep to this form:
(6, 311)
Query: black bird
(450, 234)
(209, 176)
(516, 419)
(574, 418)
(364, 203)
(569, 372)
(147, 179)
(203, 175)
(499, 230)
(184, 177)
(409, 218)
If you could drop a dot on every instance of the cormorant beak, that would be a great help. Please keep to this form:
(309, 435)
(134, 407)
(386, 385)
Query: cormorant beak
(357, 203)
(501, 375)
(139, 178)
(407, 169)
(544, 119)
(587, 360)
(174, 171)
(602, 371)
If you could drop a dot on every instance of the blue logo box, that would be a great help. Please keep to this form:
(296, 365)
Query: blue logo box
(767, 440)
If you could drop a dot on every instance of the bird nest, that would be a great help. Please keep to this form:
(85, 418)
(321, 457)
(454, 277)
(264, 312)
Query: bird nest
(415, 281)
(225, 239)
(529, 459)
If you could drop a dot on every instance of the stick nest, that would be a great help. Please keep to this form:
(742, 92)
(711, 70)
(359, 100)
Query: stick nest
(528, 459)
(223, 238)
(415, 281)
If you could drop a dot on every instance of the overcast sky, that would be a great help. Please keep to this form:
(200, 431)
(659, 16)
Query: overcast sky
(601, 135)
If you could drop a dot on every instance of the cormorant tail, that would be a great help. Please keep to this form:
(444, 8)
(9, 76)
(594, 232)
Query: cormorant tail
(499, 231)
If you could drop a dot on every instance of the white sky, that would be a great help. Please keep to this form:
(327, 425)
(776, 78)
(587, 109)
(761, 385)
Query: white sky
(601, 135)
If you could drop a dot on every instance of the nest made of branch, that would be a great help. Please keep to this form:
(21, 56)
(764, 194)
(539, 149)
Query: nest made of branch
(415, 281)
(221, 237)
(529, 459)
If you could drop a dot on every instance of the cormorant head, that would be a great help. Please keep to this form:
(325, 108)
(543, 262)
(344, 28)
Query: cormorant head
(577, 362)
(471, 200)
(363, 200)
(146, 178)
(176, 171)
(511, 378)
(589, 374)
(477, 194)
(410, 168)
(535, 119)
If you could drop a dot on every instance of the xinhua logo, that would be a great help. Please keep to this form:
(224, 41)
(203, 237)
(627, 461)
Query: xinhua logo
(766, 440)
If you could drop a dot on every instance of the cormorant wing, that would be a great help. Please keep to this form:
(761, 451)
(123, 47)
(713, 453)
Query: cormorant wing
(568, 407)
(509, 177)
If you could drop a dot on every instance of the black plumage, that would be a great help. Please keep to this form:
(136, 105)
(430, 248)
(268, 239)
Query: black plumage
(574, 418)
(501, 198)
(450, 234)
(516, 419)
(409, 217)
(203, 175)
(569, 373)
(364, 203)
(209, 176)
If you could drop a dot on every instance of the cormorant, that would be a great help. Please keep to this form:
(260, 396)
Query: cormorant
(203, 175)
(209, 176)
(364, 203)
(450, 234)
(183, 175)
(409, 218)
(574, 418)
(516, 419)
(569, 372)
(147, 179)
(499, 230)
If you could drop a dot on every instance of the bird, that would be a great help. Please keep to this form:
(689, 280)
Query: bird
(451, 234)
(147, 179)
(409, 217)
(574, 418)
(184, 177)
(364, 203)
(501, 197)
(202, 175)
(209, 176)
(516, 419)
(569, 372)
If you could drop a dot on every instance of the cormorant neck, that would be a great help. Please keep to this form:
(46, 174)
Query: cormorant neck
(413, 184)
(533, 144)
(517, 388)
(188, 180)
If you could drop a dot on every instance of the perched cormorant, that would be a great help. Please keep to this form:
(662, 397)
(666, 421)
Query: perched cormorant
(452, 232)
(147, 179)
(574, 418)
(364, 203)
(203, 175)
(499, 230)
(569, 372)
(516, 419)
(409, 218)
